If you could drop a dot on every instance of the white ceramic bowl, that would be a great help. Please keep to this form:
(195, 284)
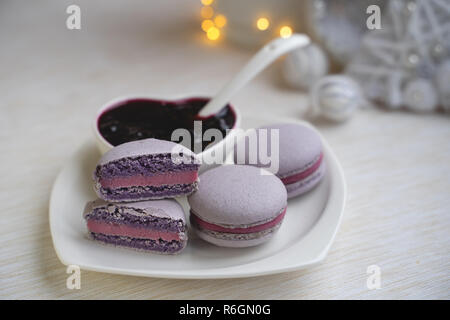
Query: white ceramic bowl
(103, 145)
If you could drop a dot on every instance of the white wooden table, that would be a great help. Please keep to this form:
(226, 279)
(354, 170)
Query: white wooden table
(53, 80)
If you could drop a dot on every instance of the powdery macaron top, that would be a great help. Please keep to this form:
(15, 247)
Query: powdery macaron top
(144, 147)
(238, 196)
(166, 208)
(299, 147)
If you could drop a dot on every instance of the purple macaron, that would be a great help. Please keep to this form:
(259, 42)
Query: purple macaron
(237, 206)
(158, 226)
(144, 170)
(301, 164)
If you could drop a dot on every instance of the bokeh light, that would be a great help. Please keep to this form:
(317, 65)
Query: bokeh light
(220, 20)
(207, 24)
(262, 23)
(285, 32)
(207, 12)
(213, 33)
(207, 2)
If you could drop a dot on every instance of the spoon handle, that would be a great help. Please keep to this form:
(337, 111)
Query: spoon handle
(264, 57)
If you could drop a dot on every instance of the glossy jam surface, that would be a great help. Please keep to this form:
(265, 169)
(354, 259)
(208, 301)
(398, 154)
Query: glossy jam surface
(144, 118)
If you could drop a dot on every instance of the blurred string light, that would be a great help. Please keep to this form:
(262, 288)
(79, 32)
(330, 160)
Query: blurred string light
(207, 12)
(213, 23)
(262, 23)
(213, 33)
(220, 20)
(207, 24)
(285, 31)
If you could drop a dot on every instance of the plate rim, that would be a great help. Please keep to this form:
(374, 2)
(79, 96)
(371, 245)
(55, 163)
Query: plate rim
(312, 236)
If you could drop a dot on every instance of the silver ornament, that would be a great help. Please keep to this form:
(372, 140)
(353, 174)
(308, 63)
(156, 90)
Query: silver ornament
(412, 45)
(442, 80)
(420, 95)
(338, 25)
(412, 60)
(410, 7)
(303, 67)
(393, 98)
(336, 97)
(438, 50)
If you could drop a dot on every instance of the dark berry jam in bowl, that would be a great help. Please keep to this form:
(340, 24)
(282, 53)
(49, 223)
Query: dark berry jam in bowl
(136, 118)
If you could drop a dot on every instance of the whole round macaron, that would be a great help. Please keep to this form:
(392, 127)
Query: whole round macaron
(237, 206)
(295, 156)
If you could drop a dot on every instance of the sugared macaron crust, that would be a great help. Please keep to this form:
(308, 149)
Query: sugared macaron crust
(157, 226)
(144, 170)
(237, 206)
(301, 159)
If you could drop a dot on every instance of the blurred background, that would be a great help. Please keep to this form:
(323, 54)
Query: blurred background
(392, 88)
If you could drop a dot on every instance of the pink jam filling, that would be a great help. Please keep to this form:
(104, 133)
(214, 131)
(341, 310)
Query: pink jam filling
(302, 175)
(260, 227)
(127, 231)
(156, 180)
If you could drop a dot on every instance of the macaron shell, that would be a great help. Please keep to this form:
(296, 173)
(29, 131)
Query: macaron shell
(305, 185)
(149, 193)
(233, 243)
(167, 208)
(139, 245)
(239, 196)
(143, 147)
(299, 145)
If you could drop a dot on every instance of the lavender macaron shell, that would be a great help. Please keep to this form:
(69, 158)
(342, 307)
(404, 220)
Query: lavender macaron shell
(305, 185)
(234, 243)
(161, 246)
(298, 146)
(146, 193)
(238, 196)
(143, 147)
(167, 208)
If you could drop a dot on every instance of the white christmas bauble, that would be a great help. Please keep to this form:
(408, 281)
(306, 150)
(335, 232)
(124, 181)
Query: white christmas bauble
(338, 25)
(304, 66)
(420, 95)
(442, 80)
(336, 97)
(393, 94)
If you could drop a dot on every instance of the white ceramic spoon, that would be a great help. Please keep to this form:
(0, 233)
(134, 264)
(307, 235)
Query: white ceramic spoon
(264, 57)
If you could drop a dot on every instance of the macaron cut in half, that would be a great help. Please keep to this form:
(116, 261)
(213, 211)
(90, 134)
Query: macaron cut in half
(144, 170)
(157, 226)
(237, 206)
(301, 164)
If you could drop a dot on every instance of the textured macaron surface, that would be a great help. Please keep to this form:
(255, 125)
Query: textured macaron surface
(145, 157)
(157, 225)
(159, 246)
(142, 147)
(300, 147)
(238, 196)
(142, 211)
